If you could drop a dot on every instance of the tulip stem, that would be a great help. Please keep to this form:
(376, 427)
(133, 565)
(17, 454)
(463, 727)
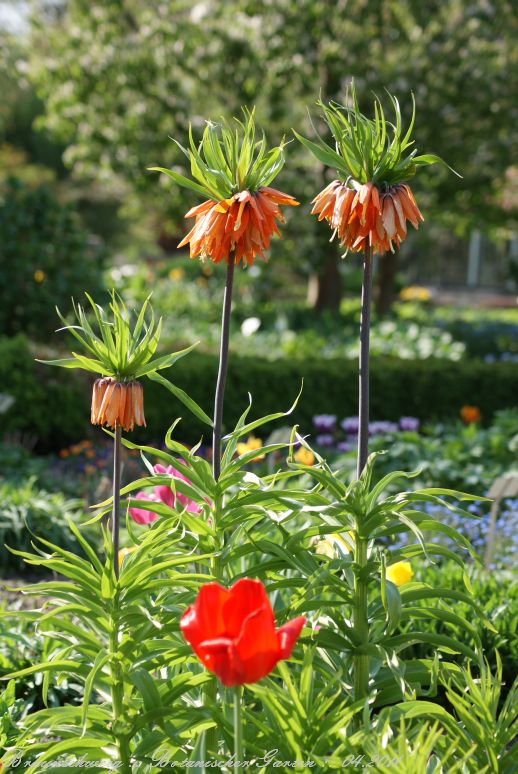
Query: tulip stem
(238, 729)
(223, 365)
(363, 392)
(116, 497)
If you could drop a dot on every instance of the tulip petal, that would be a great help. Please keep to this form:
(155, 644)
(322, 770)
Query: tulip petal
(204, 620)
(288, 634)
(220, 657)
(246, 597)
(257, 646)
(141, 515)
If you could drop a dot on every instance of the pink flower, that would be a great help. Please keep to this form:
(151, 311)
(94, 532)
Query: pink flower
(141, 515)
(163, 494)
(166, 494)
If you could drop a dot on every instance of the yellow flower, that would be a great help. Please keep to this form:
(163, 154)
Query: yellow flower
(124, 552)
(176, 274)
(39, 275)
(400, 573)
(304, 456)
(325, 548)
(329, 546)
(415, 293)
(251, 444)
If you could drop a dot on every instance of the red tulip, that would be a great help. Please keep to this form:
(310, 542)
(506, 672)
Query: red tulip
(232, 631)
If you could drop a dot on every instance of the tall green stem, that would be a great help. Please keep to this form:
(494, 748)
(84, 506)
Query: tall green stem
(361, 621)
(363, 391)
(210, 737)
(116, 497)
(238, 729)
(360, 608)
(117, 687)
(223, 366)
(117, 695)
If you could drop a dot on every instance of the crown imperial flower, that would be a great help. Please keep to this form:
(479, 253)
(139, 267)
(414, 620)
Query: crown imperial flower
(120, 352)
(117, 403)
(371, 203)
(240, 216)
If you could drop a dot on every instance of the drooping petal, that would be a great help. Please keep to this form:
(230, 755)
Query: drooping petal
(233, 225)
(364, 216)
(389, 216)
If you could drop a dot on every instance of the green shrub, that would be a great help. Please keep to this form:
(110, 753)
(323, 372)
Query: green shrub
(21, 645)
(47, 407)
(55, 405)
(26, 511)
(46, 257)
(429, 389)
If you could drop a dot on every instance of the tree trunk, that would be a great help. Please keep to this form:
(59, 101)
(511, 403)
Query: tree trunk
(325, 288)
(325, 285)
(385, 290)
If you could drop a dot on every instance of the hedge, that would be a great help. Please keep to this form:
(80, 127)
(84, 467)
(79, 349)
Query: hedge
(53, 403)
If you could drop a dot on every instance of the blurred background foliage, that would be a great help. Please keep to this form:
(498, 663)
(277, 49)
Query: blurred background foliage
(94, 91)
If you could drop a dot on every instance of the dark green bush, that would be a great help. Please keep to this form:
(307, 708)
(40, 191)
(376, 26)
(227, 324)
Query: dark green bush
(46, 257)
(49, 405)
(428, 389)
(54, 405)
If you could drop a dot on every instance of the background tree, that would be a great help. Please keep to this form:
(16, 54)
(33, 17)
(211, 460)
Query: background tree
(119, 77)
(46, 257)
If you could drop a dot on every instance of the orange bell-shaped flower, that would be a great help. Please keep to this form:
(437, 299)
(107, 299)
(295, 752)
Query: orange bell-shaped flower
(117, 403)
(368, 217)
(243, 224)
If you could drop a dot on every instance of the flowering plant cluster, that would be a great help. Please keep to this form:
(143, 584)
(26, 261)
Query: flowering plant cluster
(477, 530)
(180, 640)
(342, 436)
